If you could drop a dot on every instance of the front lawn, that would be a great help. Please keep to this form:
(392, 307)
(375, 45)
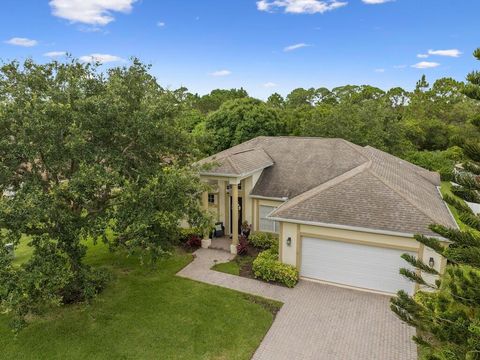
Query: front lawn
(146, 314)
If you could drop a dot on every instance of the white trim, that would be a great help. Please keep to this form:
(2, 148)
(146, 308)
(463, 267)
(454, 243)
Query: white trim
(353, 228)
(236, 176)
(268, 198)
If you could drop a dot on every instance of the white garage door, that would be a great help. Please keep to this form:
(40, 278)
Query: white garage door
(356, 265)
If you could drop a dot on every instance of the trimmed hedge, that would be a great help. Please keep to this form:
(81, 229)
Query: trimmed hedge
(263, 240)
(267, 267)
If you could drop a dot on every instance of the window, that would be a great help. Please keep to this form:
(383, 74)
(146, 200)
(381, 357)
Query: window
(211, 198)
(267, 224)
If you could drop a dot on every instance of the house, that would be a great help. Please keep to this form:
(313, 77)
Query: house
(344, 213)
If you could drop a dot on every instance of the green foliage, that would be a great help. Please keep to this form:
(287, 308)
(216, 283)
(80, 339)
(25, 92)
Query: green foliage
(267, 267)
(439, 161)
(240, 120)
(214, 100)
(447, 319)
(263, 240)
(83, 152)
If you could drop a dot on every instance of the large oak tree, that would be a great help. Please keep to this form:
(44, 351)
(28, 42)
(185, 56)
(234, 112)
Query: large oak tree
(86, 154)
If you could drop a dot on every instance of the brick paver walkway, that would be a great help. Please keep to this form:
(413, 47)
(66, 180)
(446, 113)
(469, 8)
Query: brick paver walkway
(317, 321)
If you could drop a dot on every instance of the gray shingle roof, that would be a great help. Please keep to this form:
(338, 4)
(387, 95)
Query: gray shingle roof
(333, 181)
(238, 162)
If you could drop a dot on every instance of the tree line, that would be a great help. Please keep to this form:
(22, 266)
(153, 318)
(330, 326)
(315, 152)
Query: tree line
(105, 155)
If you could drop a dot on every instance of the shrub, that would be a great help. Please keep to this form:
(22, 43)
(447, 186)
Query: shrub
(186, 233)
(193, 242)
(242, 247)
(267, 267)
(263, 240)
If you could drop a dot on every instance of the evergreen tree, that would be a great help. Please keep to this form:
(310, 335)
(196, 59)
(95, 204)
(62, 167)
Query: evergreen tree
(447, 319)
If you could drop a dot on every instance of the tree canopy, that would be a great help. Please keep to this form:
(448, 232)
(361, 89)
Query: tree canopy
(83, 155)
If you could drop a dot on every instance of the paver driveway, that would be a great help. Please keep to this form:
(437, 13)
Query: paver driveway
(317, 321)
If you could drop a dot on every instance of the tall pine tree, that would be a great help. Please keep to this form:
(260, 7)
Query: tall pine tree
(447, 319)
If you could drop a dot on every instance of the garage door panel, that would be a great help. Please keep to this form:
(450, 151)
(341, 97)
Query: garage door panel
(354, 265)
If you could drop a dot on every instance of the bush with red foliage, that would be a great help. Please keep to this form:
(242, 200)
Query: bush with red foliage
(193, 242)
(242, 247)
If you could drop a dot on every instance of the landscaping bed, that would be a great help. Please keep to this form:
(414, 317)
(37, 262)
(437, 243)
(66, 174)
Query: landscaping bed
(241, 265)
(259, 260)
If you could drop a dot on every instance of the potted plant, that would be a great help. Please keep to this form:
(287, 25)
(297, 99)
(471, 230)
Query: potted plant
(245, 229)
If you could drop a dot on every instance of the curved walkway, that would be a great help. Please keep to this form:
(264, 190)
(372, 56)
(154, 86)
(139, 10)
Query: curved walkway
(317, 321)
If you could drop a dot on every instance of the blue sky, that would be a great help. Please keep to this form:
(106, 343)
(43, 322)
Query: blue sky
(264, 46)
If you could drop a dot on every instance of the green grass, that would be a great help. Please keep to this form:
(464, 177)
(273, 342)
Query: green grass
(230, 267)
(145, 314)
(233, 266)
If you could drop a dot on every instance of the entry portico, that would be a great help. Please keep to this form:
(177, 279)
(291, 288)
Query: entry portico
(231, 182)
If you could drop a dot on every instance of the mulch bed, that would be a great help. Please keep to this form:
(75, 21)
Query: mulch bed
(246, 262)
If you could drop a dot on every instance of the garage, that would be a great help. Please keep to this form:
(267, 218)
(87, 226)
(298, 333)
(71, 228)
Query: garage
(353, 264)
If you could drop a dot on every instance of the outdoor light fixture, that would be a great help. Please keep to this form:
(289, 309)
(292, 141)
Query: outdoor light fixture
(431, 262)
(289, 241)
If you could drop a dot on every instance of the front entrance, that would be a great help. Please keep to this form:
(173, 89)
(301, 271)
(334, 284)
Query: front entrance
(240, 220)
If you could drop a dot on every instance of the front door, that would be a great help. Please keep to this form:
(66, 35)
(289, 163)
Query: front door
(239, 215)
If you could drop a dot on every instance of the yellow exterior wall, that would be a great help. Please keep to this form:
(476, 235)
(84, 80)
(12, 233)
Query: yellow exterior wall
(288, 254)
(260, 202)
(292, 254)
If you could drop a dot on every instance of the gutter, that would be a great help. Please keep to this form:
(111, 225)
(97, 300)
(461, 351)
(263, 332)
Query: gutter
(352, 228)
(243, 175)
(268, 198)
(448, 208)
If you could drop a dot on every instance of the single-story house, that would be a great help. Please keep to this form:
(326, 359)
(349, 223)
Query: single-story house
(343, 213)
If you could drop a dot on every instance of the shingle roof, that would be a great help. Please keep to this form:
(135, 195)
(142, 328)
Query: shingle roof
(236, 163)
(333, 181)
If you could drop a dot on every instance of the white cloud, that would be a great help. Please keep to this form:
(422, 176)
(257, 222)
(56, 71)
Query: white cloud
(375, 2)
(300, 6)
(101, 58)
(450, 52)
(55, 53)
(220, 73)
(161, 24)
(379, 70)
(295, 47)
(18, 41)
(269, 85)
(93, 12)
(425, 65)
(422, 56)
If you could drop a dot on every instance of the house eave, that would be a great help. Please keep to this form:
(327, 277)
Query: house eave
(232, 175)
(351, 228)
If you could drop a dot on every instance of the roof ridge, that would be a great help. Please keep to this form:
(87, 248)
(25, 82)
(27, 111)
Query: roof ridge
(404, 197)
(353, 146)
(415, 168)
(322, 187)
(232, 164)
